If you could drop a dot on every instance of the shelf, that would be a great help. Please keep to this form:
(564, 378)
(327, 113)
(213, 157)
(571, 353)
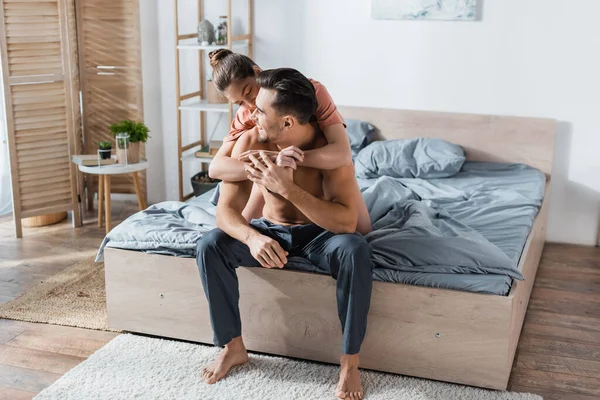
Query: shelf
(203, 105)
(198, 46)
(191, 156)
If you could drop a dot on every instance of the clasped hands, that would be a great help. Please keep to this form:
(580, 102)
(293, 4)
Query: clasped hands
(271, 169)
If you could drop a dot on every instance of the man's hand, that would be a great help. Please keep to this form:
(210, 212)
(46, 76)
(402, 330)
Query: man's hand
(274, 178)
(266, 251)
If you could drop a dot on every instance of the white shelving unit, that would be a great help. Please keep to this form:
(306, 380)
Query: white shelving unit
(196, 101)
(191, 156)
(239, 44)
(203, 105)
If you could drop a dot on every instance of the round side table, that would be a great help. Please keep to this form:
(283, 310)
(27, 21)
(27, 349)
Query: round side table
(104, 173)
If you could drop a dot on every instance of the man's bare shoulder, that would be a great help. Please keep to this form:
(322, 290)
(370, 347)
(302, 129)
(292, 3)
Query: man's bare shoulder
(248, 141)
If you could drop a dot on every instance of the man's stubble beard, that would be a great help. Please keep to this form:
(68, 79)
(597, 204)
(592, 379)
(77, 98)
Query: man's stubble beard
(269, 138)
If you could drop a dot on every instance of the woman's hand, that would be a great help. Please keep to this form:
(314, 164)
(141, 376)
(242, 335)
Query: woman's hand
(288, 157)
(245, 156)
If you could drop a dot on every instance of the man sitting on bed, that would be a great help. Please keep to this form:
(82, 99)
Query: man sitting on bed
(308, 213)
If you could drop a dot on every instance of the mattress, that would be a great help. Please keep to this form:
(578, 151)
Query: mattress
(465, 232)
(499, 201)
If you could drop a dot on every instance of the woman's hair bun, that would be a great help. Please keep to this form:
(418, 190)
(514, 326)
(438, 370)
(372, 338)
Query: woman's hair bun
(216, 56)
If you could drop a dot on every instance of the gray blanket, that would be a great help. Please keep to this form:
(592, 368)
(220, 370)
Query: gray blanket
(170, 228)
(473, 223)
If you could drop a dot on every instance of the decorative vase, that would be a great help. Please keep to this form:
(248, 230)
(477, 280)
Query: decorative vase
(206, 33)
(213, 96)
(130, 154)
(221, 32)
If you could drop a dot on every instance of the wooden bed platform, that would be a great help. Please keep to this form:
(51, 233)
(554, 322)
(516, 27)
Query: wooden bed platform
(439, 334)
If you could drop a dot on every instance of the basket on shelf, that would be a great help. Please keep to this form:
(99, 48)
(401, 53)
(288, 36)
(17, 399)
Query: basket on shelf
(213, 95)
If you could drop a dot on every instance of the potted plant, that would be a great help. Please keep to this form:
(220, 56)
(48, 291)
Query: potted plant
(138, 133)
(202, 183)
(104, 150)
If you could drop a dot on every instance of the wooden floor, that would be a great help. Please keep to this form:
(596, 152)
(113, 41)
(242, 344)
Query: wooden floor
(558, 355)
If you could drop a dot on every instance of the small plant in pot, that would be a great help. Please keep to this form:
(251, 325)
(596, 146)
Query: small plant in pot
(104, 150)
(137, 132)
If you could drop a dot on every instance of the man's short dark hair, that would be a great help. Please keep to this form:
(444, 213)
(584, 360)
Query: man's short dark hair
(295, 93)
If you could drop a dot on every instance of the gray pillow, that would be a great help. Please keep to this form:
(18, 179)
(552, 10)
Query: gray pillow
(410, 158)
(360, 133)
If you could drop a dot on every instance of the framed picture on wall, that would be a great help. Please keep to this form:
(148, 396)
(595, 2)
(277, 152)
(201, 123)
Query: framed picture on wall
(449, 10)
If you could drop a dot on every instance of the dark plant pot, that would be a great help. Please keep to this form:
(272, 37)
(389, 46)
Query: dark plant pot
(105, 154)
(201, 183)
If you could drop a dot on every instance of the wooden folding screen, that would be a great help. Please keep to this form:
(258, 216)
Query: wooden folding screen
(111, 77)
(39, 70)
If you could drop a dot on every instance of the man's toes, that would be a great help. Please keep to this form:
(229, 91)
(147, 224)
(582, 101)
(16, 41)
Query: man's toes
(340, 394)
(208, 375)
(211, 379)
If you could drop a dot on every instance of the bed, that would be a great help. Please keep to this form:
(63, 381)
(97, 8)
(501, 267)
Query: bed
(436, 333)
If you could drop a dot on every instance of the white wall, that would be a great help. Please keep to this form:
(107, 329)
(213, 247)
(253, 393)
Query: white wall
(537, 58)
(152, 105)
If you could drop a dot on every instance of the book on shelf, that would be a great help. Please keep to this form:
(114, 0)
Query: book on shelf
(209, 151)
(91, 160)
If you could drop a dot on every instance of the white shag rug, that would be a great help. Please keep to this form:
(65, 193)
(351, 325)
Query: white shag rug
(138, 367)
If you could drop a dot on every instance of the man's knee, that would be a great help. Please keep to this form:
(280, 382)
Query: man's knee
(210, 241)
(352, 247)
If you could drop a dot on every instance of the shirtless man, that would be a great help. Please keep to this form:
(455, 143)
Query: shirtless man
(308, 212)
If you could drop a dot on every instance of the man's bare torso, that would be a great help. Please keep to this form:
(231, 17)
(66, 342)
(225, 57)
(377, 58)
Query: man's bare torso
(280, 211)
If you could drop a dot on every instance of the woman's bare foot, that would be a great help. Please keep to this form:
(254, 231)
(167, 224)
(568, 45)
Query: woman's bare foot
(234, 353)
(349, 386)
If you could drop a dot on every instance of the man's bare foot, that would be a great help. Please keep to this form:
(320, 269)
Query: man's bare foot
(349, 386)
(234, 353)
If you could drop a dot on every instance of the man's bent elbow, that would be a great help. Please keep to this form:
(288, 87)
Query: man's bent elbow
(346, 226)
(219, 221)
(347, 160)
(213, 172)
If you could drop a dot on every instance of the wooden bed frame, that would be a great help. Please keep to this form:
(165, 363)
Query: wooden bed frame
(439, 334)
